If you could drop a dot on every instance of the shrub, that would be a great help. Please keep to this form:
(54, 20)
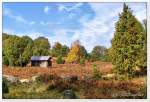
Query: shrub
(143, 91)
(5, 86)
(52, 85)
(44, 78)
(82, 61)
(122, 77)
(60, 60)
(96, 73)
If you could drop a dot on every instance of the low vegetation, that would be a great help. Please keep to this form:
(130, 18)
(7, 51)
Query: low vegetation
(52, 86)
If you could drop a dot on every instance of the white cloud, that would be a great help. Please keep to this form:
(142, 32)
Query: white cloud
(46, 9)
(11, 14)
(18, 18)
(65, 8)
(61, 35)
(100, 30)
(96, 29)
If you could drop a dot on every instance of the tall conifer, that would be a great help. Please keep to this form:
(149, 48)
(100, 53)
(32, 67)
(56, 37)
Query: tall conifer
(127, 43)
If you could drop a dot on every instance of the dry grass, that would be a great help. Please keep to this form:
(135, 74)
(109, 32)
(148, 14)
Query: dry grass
(58, 69)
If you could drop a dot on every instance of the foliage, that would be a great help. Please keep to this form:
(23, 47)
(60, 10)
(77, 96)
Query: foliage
(127, 43)
(56, 49)
(13, 47)
(27, 53)
(41, 46)
(17, 51)
(98, 53)
(44, 78)
(59, 50)
(60, 60)
(5, 88)
(76, 53)
(53, 86)
(142, 55)
(82, 61)
(64, 50)
(96, 73)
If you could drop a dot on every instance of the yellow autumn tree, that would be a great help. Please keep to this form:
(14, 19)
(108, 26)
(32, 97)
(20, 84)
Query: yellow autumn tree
(74, 54)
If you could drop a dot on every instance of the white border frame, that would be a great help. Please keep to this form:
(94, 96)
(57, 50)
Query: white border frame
(81, 100)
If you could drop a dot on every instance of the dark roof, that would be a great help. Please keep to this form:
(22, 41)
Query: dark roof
(40, 58)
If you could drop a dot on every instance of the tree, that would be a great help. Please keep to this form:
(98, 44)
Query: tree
(127, 43)
(64, 50)
(76, 52)
(28, 50)
(59, 50)
(98, 53)
(83, 52)
(60, 60)
(142, 58)
(17, 50)
(56, 49)
(41, 46)
(5, 36)
(12, 47)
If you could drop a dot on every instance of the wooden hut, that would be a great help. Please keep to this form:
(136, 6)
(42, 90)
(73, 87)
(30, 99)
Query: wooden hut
(41, 61)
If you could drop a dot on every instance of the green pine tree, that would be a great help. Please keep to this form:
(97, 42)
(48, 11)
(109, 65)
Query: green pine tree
(127, 43)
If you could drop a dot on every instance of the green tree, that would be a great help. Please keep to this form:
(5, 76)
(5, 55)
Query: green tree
(56, 49)
(28, 50)
(98, 53)
(64, 50)
(5, 36)
(83, 52)
(127, 43)
(60, 60)
(12, 47)
(142, 56)
(59, 50)
(41, 46)
(96, 72)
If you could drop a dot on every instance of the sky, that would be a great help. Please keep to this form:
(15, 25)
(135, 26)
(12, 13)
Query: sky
(91, 23)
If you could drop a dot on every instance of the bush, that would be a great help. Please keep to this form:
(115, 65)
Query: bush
(96, 73)
(5, 86)
(82, 61)
(143, 91)
(44, 78)
(122, 77)
(60, 60)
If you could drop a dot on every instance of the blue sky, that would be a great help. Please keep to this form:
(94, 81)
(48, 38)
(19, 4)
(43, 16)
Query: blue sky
(91, 23)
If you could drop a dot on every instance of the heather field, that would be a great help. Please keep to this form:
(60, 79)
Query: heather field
(52, 82)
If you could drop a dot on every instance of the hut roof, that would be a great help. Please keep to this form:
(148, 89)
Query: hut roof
(40, 58)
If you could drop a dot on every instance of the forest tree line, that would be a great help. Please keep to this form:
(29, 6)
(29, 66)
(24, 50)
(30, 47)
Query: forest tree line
(17, 51)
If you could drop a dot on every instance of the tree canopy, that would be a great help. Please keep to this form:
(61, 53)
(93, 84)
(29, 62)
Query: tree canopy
(98, 53)
(127, 44)
(17, 51)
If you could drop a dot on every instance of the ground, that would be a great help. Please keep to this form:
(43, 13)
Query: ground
(59, 69)
(133, 88)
